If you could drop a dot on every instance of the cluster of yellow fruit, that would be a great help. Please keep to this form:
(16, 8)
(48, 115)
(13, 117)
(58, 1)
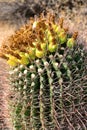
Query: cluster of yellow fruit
(41, 36)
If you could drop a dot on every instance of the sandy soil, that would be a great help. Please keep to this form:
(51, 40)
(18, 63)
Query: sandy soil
(5, 32)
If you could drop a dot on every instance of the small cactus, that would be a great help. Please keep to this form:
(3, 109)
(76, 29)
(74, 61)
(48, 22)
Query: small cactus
(48, 76)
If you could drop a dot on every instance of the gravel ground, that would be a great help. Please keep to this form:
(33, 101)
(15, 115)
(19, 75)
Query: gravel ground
(15, 13)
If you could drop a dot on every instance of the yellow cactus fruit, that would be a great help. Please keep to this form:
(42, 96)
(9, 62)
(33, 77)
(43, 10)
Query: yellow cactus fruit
(71, 41)
(27, 55)
(62, 37)
(52, 47)
(55, 27)
(24, 61)
(31, 53)
(24, 58)
(39, 52)
(12, 61)
(44, 46)
(49, 36)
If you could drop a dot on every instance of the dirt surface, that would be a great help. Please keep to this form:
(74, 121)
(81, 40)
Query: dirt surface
(74, 13)
(5, 123)
(5, 31)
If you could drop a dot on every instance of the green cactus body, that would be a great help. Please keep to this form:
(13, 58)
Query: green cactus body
(48, 77)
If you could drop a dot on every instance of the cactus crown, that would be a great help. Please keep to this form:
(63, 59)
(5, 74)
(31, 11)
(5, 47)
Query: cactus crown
(36, 40)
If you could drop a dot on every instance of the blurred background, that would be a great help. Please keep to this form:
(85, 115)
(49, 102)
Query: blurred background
(17, 12)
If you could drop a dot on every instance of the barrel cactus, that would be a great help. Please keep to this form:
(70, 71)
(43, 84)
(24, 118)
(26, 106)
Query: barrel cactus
(48, 75)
